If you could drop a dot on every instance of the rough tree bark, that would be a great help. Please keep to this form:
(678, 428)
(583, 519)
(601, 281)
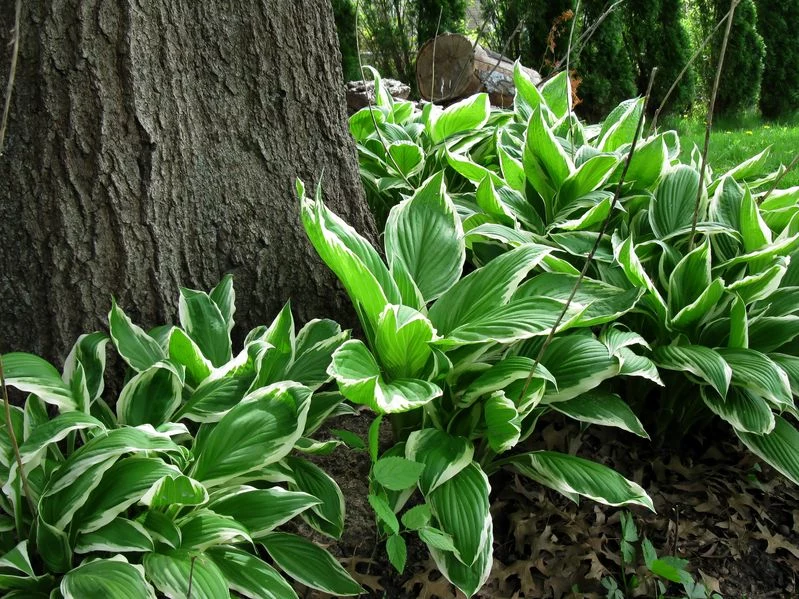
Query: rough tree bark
(155, 144)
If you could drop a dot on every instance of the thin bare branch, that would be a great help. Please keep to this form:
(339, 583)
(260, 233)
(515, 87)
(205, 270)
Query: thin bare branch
(568, 77)
(776, 183)
(433, 66)
(594, 249)
(709, 121)
(12, 73)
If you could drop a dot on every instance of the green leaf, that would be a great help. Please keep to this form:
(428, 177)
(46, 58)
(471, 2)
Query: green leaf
(183, 350)
(309, 564)
(355, 262)
(546, 163)
(648, 163)
(571, 475)
(214, 398)
(700, 361)
(482, 291)
(425, 233)
(152, 396)
(527, 97)
(758, 373)
(175, 490)
(113, 577)
(397, 552)
(384, 513)
(249, 575)
(578, 363)
(604, 302)
(122, 486)
(373, 437)
(119, 535)
(605, 409)
(675, 200)
(31, 374)
(397, 474)
(263, 510)
(171, 575)
(591, 175)
(89, 352)
(619, 127)
(442, 454)
(203, 528)
(744, 410)
(503, 422)
(467, 115)
(689, 278)
(203, 321)
(557, 94)
(261, 430)
(417, 517)
(328, 516)
(739, 324)
(461, 507)
(778, 448)
(769, 333)
(402, 341)
(135, 346)
(359, 378)
(408, 157)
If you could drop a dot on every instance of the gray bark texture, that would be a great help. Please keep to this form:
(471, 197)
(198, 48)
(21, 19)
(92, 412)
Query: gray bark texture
(154, 144)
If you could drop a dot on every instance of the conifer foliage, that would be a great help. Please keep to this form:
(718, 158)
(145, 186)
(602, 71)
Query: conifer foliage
(452, 13)
(776, 22)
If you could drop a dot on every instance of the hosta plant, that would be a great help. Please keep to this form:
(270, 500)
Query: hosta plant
(178, 487)
(449, 359)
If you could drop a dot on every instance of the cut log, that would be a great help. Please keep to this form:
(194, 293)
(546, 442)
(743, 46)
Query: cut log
(450, 67)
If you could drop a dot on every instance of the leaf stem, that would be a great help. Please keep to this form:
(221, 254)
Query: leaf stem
(594, 249)
(709, 122)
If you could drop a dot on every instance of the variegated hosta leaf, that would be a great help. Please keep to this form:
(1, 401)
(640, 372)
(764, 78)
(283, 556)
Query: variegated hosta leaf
(359, 378)
(315, 345)
(122, 486)
(754, 230)
(527, 96)
(442, 454)
(675, 201)
(770, 333)
(118, 535)
(579, 363)
(703, 362)
(261, 430)
(762, 285)
(41, 437)
(89, 352)
(780, 447)
(214, 398)
(625, 255)
(590, 176)
(203, 321)
(32, 374)
(574, 476)
(634, 365)
(485, 289)
(249, 575)
(402, 339)
(759, 374)
(501, 376)
(689, 278)
(224, 296)
(135, 346)
(744, 410)
(355, 262)
(557, 94)
(503, 422)
(425, 233)
(469, 579)
(616, 339)
(113, 577)
(69, 486)
(605, 409)
(619, 127)
(407, 157)
(468, 114)
(604, 302)
(184, 351)
(309, 564)
(204, 528)
(461, 508)
(546, 163)
(517, 320)
(701, 307)
(152, 396)
(171, 575)
(327, 516)
(263, 510)
(175, 490)
(648, 164)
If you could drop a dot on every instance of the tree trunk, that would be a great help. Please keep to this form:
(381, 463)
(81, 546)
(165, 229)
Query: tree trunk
(155, 144)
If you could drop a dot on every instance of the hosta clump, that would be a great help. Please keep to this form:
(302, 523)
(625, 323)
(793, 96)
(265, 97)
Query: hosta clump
(185, 482)
(717, 311)
(448, 357)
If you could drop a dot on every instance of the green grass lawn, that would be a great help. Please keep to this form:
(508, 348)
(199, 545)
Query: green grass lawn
(733, 141)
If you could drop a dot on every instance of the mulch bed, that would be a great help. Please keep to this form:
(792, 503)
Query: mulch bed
(734, 518)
